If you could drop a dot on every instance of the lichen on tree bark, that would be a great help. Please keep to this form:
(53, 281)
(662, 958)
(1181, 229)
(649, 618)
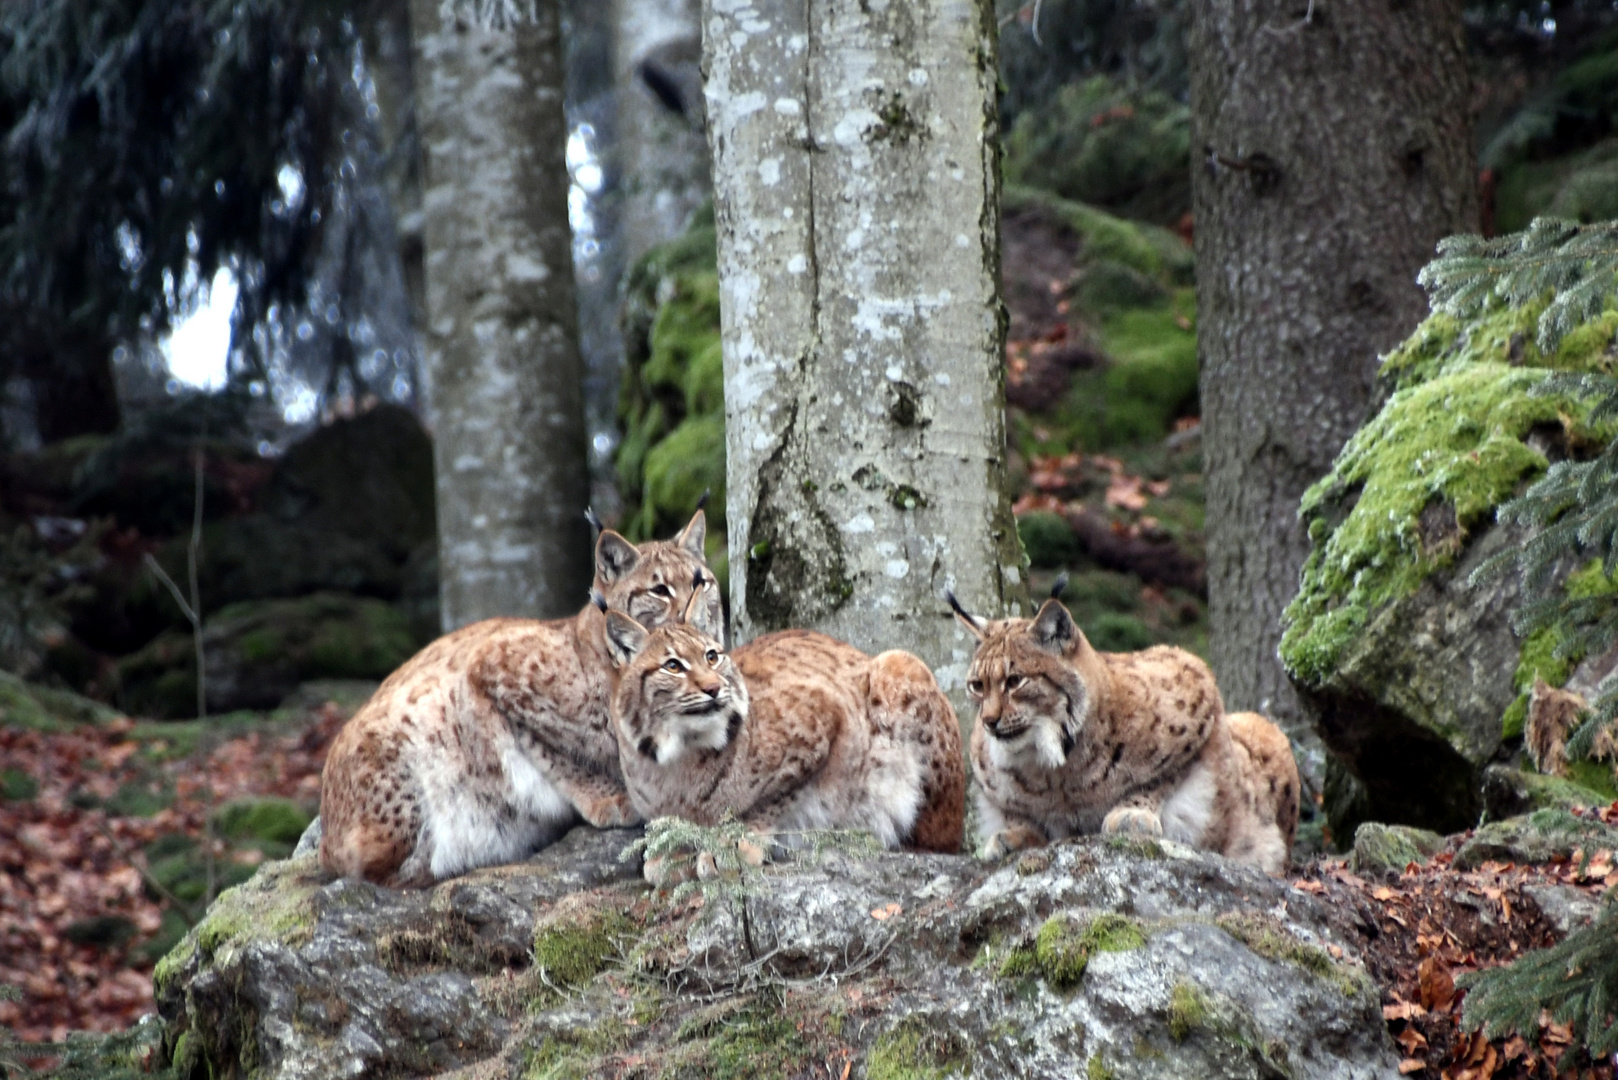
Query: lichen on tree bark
(856, 192)
(501, 343)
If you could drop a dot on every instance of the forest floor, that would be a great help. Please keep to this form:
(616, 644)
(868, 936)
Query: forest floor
(102, 857)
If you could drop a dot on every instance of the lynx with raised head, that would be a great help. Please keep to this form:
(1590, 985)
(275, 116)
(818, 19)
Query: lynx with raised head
(494, 739)
(1069, 740)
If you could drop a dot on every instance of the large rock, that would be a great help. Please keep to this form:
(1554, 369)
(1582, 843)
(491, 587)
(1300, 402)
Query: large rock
(1083, 959)
(1408, 667)
(259, 651)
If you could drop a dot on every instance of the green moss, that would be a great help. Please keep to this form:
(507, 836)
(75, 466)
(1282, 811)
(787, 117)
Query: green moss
(1142, 847)
(1063, 946)
(1096, 1069)
(687, 462)
(1266, 936)
(916, 1050)
(41, 708)
(1544, 653)
(1188, 1009)
(1047, 538)
(16, 785)
(263, 818)
(575, 948)
(574, 1054)
(1447, 448)
(1392, 847)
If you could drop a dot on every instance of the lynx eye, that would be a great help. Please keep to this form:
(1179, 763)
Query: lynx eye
(975, 685)
(661, 590)
(1014, 681)
(712, 656)
(673, 665)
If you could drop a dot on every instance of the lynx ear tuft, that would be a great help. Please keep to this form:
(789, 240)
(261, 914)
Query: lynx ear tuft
(977, 626)
(625, 638)
(695, 532)
(1060, 586)
(598, 600)
(703, 501)
(1054, 628)
(615, 557)
(595, 522)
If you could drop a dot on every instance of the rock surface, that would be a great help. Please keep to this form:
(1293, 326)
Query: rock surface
(1087, 958)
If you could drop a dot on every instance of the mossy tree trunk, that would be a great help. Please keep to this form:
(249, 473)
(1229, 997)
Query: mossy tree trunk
(856, 191)
(502, 356)
(1331, 148)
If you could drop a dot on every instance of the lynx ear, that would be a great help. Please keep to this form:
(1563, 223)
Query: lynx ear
(615, 557)
(625, 638)
(975, 625)
(695, 532)
(695, 599)
(1054, 629)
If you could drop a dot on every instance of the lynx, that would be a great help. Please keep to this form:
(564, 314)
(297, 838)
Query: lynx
(494, 739)
(792, 731)
(1069, 740)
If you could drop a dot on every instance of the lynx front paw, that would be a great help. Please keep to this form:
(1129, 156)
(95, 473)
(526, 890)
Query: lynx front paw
(1133, 820)
(1011, 839)
(612, 812)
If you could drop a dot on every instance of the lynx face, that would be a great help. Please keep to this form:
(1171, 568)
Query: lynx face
(1031, 699)
(654, 582)
(677, 692)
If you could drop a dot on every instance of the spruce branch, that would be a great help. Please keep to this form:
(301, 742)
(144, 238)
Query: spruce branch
(1576, 263)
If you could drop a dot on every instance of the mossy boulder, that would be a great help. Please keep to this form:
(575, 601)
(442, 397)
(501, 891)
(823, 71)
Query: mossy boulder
(1405, 663)
(258, 652)
(1379, 847)
(1539, 837)
(27, 705)
(1104, 142)
(671, 404)
(1511, 792)
(883, 965)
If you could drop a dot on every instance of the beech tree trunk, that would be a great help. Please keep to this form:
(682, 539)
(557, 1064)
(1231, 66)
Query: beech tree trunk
(1332, 150)
(501, 342)
(856, 190)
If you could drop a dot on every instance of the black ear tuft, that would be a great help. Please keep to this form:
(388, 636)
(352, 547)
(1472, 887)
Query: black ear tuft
(595, 522)
(703, 502)
(598, 600)
(955, 606)
(696, 579)
(1060, 587)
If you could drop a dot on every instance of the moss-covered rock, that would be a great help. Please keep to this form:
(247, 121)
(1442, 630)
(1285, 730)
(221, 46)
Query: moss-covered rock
(1103, 142)
(1538, 837)
(1379, 847)
(1511, 792)
(1406, 663)
(42, 708)
(1064, 944)
(258, 652)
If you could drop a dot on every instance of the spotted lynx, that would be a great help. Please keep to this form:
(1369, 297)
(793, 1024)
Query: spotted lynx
(792, 731)
(1069, 740)
(495, 738)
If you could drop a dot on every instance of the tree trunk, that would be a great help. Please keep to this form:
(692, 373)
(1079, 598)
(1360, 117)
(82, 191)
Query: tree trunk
(661, 157)
(856, 189)
(502, 358)
(1332, 149)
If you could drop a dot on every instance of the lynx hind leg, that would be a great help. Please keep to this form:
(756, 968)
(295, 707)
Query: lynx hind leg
(369, 807)
(905, 699)
(1273, 771)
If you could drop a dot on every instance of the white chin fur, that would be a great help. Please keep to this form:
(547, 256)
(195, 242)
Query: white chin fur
(1042, 742)
(709, 732)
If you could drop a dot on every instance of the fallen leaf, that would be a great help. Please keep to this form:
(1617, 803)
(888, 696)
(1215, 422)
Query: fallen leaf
(1402, 1010)
(887, 911)
(1412, 1040)
(1383, 893)
(1310, 887)
(1411, 1065)
(1435, 984)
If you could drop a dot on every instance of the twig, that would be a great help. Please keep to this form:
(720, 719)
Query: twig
(192, 551)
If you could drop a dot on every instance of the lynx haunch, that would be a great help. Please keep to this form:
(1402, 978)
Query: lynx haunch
(1069, 740)
(495, 738)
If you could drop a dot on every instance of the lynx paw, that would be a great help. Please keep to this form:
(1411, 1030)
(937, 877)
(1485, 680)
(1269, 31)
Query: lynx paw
(1131, 819)
(612, 812)
(1006, 841)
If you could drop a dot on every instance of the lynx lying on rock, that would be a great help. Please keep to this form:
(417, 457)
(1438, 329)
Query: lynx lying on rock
(792, 731)
(495, 738)
(1069, 740)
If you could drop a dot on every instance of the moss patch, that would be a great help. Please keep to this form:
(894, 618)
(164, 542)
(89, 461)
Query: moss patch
(1063, 946)
(275, 904)
(41, 708)
(1188, 1009)
(1450, 445)
(917, 1050)
(1267, 937)
(578, 940)
(1546, 653)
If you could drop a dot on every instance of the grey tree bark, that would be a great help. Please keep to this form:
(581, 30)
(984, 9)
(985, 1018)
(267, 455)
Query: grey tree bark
(1332, 145)
(661, 155)
(501, 342)
(856, 190)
